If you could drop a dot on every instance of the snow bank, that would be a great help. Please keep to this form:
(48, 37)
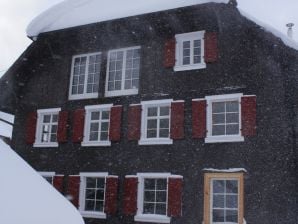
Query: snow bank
(27, 198)
(71, 13)
(285, 39)
(230, 170)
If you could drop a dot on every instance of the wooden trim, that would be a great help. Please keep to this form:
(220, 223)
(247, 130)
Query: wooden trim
(207, 181)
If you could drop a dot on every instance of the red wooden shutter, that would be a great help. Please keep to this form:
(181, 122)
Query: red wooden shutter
(130, 196)
(73, 190)
(177, 120)
(169, 54)
(78, 126)
(111, 195)
(175, 197)
(211, 47)
(62, 127)
(31, 127)
(58, 182)
(134, 122)
(248, 115)
(115, 123)
(199, 119)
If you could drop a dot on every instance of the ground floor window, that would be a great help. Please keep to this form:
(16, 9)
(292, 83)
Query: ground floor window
(223, 198)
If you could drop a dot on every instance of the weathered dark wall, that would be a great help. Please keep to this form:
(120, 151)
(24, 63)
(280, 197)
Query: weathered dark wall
(250, 62)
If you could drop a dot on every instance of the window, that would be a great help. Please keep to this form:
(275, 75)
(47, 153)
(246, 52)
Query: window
(97, 123)
(85, 74)
(223, 198)
(153, 197)
(123, 72)
(224, 118)
(190, 51)
(156, 122)
(48, 176)
(47, 127)
(92, 195)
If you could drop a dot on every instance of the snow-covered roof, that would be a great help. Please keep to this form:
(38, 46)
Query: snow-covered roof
(27, 198)
(71, 13)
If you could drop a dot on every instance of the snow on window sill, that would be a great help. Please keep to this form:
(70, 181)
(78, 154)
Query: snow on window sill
(121, 92)
(178, 68)
(103, 143)
(45, 145)
(219, 139)
(83, 96)
(95, 215)
(152, 218)
(155, 141)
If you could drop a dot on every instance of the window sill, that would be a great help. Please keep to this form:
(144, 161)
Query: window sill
(219, 139)
(95, 215)
(156, 141)
(121, 92)
(178, 68)
(152, 218)
(46, 145)
(83, 96)
(107, 143)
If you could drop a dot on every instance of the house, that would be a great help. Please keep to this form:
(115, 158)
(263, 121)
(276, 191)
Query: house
(167, 113)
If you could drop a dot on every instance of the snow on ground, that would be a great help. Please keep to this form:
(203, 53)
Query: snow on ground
(71, 13)
(7, 117)
(5, 129)
(27, 198)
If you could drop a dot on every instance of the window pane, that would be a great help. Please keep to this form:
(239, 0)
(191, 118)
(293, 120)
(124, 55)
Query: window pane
(149, 184)
(218, 201)
(232, 106)
(94, 127)
(151, 133)
(104, 126)
(164, 133)
(100, 183)
(232, 201)
(232, 186)
(55, 118)
(106, 115)
(218, 107)
(90, 182)
(152, 111)
(197, 59)
(186, 60)
(95, 115)
(148, 208)
(46, 118)
(161, 196)
(232, 129)
(149, 196)
(218, 130)
(104, 136)
(161, 209)
(164, 111)
(99, 206)
(218, 186)
(233, 118)
(218, 118)
(89, 205)
(161, 184)
(100, 194)
(232, 216)
(152, 124)
(186, 44)
(164, 123)
(90, 194)
(218, 215)
(53, 138)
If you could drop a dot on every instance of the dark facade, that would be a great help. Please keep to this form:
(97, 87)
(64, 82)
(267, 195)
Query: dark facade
(249, 61)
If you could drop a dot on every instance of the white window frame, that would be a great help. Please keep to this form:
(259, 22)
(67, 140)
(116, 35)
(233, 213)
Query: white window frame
(48, 174)
(180, 38)
(90, 214)
(140, 217)
(88, 110)
(222, 138)
(111, 93)
(38, 133)
(85, 95)
(154, 141)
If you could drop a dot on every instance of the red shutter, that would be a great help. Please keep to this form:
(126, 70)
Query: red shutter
(58, 182)
(78, 126)
(62, 127)
(177, 120)
(169, 54)
(130, 196)
(199, 119)
(31, 127)
(134, 122)
(74, 189)
(111, 195)
(175, 197)
(248, 115)
(115, 123)
(211, 47)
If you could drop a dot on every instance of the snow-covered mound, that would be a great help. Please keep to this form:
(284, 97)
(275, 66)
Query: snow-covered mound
(71, 13)
(26, 198)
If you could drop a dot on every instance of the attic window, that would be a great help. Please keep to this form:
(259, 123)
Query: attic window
(85, 74)
(190, 51)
